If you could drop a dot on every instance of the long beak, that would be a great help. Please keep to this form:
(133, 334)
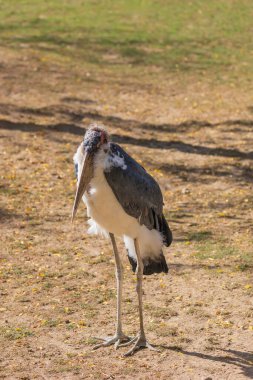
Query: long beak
(84, 179)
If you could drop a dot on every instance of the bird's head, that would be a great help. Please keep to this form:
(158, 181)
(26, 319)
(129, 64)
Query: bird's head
(94, 139)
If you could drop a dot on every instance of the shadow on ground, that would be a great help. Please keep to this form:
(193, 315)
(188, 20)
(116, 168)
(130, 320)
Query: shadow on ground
(74, 112)
(151, 143)
(243, 360)
(126, 124)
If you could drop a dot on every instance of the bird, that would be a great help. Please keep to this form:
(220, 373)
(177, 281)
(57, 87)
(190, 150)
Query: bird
(122, 200)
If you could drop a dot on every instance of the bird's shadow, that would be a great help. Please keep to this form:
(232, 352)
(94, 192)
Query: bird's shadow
(243, 360)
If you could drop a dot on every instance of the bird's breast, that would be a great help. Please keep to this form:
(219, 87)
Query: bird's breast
(105, 209)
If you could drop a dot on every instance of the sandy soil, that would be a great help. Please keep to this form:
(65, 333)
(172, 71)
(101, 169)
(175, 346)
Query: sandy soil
(57, 284)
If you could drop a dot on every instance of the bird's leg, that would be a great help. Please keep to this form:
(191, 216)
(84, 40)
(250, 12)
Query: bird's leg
(140, 340)
(119, 336)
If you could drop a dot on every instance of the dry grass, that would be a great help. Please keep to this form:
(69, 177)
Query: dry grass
(57, 284)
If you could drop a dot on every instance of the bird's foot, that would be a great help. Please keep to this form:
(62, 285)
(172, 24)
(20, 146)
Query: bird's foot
(140, 342)
(117, 340)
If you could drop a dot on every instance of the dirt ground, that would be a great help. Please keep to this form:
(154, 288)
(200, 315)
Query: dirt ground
(57, 283)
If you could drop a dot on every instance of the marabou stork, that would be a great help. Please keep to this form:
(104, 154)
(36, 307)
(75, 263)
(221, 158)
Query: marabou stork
(122, 199)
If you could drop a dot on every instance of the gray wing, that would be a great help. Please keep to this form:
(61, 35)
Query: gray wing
(138, 193)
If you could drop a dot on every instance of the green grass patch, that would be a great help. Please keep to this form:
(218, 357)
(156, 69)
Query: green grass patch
(210, 246)
(91, 341)
(211, 250)
(200, 236)
(15, 333)
(193, 35)
(161, 312)
(50, 322)
(221, 250)
(246, 265)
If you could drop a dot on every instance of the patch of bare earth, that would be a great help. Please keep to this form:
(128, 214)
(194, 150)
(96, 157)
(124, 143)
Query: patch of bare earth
(57, 283)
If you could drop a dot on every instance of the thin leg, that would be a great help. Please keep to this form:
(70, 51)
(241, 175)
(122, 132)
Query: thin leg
(140, 339)
(119, 336)
(139, 290)
(119, 278)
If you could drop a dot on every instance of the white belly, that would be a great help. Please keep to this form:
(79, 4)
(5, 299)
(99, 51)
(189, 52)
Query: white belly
(104, 208)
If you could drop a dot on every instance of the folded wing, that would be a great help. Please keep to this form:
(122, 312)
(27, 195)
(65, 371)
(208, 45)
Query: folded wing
(137, 192)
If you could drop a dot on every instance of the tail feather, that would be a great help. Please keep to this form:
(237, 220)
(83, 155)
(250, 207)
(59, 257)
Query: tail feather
(151, 266)
(150, 245)
(166, 232)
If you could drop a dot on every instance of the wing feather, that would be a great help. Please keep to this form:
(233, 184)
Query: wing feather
(137, 192)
